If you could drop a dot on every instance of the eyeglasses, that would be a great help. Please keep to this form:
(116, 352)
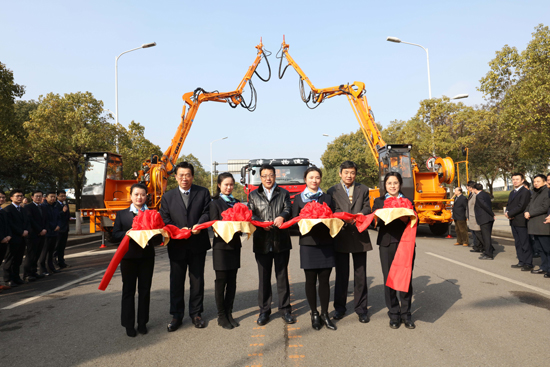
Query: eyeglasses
(267, 176)
(186, 176)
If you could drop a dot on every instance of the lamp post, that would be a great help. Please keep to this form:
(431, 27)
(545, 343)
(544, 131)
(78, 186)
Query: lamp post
(327, 135)
(212, 164)
(145, 45)
(397, 40)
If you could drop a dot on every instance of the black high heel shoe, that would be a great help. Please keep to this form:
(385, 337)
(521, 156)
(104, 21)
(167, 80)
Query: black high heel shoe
(327, 321)
(316, 320)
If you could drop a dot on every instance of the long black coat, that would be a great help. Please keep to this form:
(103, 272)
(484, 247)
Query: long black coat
(349, 240)
(5, 230)
(123, 223)
(388, 233)
(36, 219)
(537, 209)
(460, 208)
(484, 213)
(18, 223)
(173, 211)
(267, 210)
(516, 207)
(63, 216)
(319, 234)
(217, 207)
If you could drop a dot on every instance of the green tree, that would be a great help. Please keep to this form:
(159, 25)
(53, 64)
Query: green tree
(202, 177)
(68, 127)
(135, 148)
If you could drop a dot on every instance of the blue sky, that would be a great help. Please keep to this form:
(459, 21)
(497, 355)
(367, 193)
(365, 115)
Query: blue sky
(63, 47)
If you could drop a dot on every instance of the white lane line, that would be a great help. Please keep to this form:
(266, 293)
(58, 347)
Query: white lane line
(80, 245)
(90, 253)
(516, 282)
(52, 290)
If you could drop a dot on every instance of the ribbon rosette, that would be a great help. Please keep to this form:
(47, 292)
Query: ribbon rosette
(236, 219)
(314, 213)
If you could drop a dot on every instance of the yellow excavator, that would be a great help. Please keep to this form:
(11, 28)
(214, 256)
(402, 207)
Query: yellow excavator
(430, 197)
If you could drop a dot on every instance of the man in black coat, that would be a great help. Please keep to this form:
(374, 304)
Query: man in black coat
(185, 207)
(19, 226)
(36, 237)
(5, 234)
(272, 245)
(485, 218)
(351, 197)
(460, 208)
(64, 217)
(53, 222)
(517, 203)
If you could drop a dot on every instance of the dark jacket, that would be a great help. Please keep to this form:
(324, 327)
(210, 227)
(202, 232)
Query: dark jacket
(173, 211)
(63, 217)
(51, 218)
(484, 213)
(388, 233)
(123, 223)
(18, 223)
(217, 207)
(537, 209)
(349, 240)
(517, 203)
(35, 218)
(276, 240)
(460, 207)
(5, 230)
(319, 234)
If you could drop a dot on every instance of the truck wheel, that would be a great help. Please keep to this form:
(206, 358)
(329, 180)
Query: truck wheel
(439, 229)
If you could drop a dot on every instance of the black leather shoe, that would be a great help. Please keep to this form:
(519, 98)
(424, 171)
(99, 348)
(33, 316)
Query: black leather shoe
(263, 319)
(12, 284)
(19, 281)
(409, 324)
(517, 266)
(316, 321)
(338, 315)
(231, 320)
(63, 266)
(485, 257)
(223, 321)
(325, 318)
(536, 255)
(142, 329)
(395, 324)
(29, 279)
(547, 275)
(131, 332)
(538, 271)
(364, 318)
(198, 322)
(45, 274)
(38, 276)
(174, 325)
(475, 250)
(288, 318)
(527, 268)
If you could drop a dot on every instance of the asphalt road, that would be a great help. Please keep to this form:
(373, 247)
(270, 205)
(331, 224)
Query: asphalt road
(468, 312)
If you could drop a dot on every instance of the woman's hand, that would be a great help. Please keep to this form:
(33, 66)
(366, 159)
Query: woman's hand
(527, 216)
(194, 231)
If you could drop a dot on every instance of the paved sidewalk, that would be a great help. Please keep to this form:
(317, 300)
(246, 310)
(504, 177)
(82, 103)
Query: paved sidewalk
(501, 227)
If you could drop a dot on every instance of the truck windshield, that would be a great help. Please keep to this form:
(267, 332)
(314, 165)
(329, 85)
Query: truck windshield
(286, 175)
(94, 176)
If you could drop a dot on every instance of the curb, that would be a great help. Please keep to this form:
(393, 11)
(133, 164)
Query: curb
(79, 239)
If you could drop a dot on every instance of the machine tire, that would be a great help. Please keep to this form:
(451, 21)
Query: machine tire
(439, 229)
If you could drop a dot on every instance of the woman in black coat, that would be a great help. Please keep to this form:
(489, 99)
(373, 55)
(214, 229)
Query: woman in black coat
(536, 213)
(316, 251)
(226, 256)
(388, 239)
(136, 266)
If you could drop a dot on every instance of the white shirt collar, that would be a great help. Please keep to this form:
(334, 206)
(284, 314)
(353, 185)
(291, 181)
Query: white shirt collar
(184, 191)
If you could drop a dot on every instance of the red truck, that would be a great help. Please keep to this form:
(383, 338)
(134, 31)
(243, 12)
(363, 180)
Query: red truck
(289, 174)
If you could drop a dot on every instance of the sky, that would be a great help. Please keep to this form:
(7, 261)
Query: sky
(70, 46)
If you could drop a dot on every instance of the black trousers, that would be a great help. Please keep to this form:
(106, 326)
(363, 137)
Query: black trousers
(13, 260)
(33, 251)
(523, 247)
(45, 261)
(484, 237)
(178, 271)
(225, 290)
(265, 265)
(544, 243)
(3, 250)
(140, 272)
(395, 311)
(360, 290)
(324, 288)
(59, 253)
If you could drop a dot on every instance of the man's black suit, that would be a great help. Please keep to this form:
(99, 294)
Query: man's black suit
(460, 207)
(485, 218)
(64, 217)
(52, 220)
(187, 253)
(350, 241)
(34, 241)
(515, 208)
(18, 223)
(4, 232)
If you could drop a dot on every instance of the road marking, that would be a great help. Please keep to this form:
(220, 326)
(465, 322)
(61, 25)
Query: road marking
(516, 282)
(52, 290)
(90, 253)
(82, 244)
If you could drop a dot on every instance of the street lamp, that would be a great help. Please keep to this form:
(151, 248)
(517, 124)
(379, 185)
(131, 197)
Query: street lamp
(212, 165)
(397, 40)
(460, 96)
(145, 45)
(327, 135)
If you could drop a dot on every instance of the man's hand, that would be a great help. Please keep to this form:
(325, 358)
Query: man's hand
(43, 233)
(65, 208)
(5, 240)
(268, 228)
(506, 215)
(25, 233)
(278, 221)
(56, 229)
(350, 221)
(526, 215)
(194, 231)
(547, 220)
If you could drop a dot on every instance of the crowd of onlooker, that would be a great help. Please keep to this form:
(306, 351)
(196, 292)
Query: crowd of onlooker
(527, 209)
(36, 230)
